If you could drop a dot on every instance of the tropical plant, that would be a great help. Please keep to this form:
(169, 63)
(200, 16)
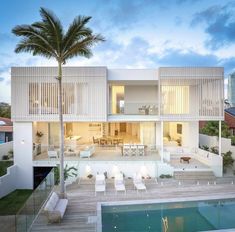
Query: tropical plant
(205, 147)
(212, 129)
(215, 150)
(10, 153)
(165, 176)
(68, 172)
(48, 39)
(39, 134)
(233, 140)
(227, 159)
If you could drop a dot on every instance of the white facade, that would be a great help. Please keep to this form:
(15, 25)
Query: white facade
(155, 105)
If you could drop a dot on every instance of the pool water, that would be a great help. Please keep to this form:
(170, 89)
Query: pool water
(181, 216)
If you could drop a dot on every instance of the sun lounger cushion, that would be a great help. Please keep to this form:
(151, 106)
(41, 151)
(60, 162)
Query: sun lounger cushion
(61, 206)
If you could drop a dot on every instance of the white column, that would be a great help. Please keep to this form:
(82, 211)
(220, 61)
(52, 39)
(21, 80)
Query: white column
(219, 137)
(23, 154)
(161, 141)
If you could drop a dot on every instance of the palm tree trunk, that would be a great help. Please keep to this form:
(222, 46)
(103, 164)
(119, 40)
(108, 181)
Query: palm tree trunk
(62, 188)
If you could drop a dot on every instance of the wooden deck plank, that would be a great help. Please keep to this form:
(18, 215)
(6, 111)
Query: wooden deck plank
(83, 202)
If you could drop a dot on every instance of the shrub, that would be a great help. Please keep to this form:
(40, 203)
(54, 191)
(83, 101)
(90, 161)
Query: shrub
(205, 147)
(165, 176)
(227, 159)
(5, 157)
(214, 150)
(68, 172)
(10, 154)
(233, 140)
(212, 129)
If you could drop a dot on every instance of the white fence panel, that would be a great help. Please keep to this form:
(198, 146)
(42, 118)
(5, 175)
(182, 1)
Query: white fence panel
(8, 181)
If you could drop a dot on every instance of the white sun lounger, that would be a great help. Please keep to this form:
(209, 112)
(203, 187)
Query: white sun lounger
(138, 183)
(119, 183)
(100, 183)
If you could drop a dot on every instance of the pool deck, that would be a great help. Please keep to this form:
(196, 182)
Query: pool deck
(81, 214)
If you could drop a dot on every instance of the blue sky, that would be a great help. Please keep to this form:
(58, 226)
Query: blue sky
(139, 33)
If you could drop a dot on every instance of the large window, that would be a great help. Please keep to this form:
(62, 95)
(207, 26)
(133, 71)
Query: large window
(175, 99)
(117, 99)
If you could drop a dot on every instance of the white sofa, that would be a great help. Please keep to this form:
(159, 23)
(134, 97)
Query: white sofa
(55, 208)
(87, 152)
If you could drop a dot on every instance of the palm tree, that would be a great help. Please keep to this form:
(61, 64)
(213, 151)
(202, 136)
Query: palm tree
(48, 39)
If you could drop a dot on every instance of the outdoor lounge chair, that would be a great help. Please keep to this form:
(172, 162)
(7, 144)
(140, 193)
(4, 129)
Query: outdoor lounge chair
(119, 183)
(52, 154)
(138, 183)
(55, 208)
(100, 183)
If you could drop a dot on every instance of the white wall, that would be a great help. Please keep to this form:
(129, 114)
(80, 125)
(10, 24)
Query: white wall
(8, 182)
(138, 95)
(164, 169)
(23, 149)
(112, 167)
(212, 141)
(190, 134)
(5, 148)
(215, 162)
(132, 74)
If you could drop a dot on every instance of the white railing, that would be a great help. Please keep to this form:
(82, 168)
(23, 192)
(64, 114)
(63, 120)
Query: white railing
(8, 181)
(5, 148)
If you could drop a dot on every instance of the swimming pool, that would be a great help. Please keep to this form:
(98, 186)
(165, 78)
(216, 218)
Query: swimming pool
(190, 216)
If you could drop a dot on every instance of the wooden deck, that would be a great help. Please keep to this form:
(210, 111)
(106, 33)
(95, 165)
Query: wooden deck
(81, 212)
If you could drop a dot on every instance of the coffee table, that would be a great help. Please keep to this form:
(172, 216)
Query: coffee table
(185, 159)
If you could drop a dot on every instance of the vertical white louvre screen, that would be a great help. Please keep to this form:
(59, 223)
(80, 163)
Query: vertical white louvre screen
(35, 94)
(191, 93)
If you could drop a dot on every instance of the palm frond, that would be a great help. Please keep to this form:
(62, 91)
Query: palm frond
(27, 45)
(33, 35)
(47, 38)
(83, 47)
(52, 27)
(76, 31)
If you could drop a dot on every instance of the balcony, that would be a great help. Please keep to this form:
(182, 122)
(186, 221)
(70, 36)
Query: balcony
(133, 111)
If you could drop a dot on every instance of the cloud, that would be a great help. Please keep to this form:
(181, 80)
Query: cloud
(177, 57)
(2, 79)
(220, 25)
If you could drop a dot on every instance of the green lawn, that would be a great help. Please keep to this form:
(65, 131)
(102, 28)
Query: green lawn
(4, 165)
(11, 203)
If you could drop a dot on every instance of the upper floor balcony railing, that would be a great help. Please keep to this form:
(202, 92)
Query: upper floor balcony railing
(133, 108)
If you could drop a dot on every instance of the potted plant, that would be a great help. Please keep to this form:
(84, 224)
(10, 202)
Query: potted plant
(68, 172)
(39, 135)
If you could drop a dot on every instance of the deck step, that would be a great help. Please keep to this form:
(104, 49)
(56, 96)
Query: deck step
(194, 175)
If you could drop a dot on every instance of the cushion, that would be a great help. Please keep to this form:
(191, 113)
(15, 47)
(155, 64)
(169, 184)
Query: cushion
(120, 187)
(61, 206)
(51, 204)
(118, 181)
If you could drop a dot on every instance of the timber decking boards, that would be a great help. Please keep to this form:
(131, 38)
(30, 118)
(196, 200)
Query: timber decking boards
(82, 201)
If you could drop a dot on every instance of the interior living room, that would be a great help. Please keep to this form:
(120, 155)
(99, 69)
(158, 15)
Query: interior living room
(95, 140)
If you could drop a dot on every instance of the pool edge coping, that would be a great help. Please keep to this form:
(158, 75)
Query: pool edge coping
(162, 200)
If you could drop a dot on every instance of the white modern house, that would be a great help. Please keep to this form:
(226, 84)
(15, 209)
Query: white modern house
(128, 120)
